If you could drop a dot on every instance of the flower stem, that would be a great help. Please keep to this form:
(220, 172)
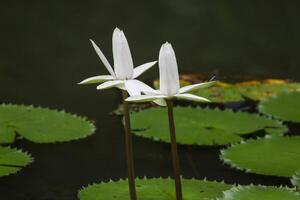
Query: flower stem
(174, 150)
(128, 147)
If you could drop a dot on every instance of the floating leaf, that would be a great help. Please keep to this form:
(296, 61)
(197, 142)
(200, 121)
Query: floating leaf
(283, 106)
(277, 156)
(12, 160)
(7, 135)
(296, 179)
(154, 189)
(197, 126)
(223, 92)
(41, 125)
(260, 193)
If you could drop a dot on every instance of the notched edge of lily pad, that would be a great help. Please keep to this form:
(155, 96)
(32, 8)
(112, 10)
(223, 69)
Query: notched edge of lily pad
(243, 136)
(157, 139)
(17, 167)
(233, 165)
(261, 106)
(75, 116)
(229, 193)
(146, 178)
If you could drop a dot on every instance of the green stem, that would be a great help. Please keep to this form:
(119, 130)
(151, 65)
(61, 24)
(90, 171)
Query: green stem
(174, 151)
(128, 147)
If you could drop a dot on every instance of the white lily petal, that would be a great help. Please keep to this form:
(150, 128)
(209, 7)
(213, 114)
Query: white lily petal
(196, 86)
(151, 92)
(142, 68)
(191, 97)
(123, 63)
(97, 79)
(145, 98)
(135, 87)
(110, 84)
(160, 102)
(168, 71)
(103, 58)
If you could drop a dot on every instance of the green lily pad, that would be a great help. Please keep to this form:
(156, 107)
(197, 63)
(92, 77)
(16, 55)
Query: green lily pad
(198, 126)
(296, 179)
(154, 189)
(260, 193)
(283, 106)
(276, 155)
(7, 135)
(12, 160)
(41, 125)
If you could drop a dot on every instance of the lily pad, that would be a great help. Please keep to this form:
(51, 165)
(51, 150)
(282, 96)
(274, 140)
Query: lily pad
(276, 155)
(223, 92)
(41, 125)
(7, 135)
(198, 126)
(283, 106)
(12, 160)
(154, 189)
(296, 179)
(260, 193)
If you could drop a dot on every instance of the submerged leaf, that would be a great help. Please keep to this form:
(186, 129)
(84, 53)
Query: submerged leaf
(255, 90)
(154, 189)
(260, 193)
(223, 92)
(197, 126)
(41, 125)
(276, 155)
(284, 106)
(12, 160)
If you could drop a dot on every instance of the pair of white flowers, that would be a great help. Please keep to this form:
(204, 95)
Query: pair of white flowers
(124, 75)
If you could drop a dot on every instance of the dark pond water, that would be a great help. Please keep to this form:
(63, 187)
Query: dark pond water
(45, 51)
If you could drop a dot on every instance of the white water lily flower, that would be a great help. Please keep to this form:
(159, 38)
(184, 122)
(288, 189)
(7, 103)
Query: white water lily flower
(169, 82)
(123, 76)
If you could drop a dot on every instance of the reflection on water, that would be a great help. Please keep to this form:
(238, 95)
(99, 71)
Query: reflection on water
(45, 51)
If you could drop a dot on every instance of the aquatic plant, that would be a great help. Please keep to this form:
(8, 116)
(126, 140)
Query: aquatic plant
(204, 126)
(251, 192)
(154, 188)
(122, 77)
(41, 125)
(273, 155)
(282, 106)
(169, 90)
(13, 160)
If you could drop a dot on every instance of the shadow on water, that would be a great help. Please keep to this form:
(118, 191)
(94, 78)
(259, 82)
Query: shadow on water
(45, 52)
